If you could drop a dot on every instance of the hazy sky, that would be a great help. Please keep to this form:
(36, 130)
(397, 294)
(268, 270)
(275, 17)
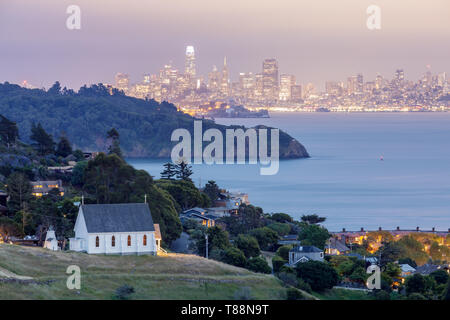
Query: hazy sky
(316, 40)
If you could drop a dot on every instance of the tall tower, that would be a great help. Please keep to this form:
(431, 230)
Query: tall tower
(190, 62)
(224, 86)
(270, 79)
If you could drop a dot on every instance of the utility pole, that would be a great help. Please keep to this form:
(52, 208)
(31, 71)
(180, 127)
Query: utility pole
(145, 198)
(206, 238)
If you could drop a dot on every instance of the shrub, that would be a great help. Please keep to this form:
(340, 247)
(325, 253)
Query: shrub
(258, 264)
(248, 245)
(283, 251)
(288, 278)
(234, 256)
(319, 275)
(277, 263)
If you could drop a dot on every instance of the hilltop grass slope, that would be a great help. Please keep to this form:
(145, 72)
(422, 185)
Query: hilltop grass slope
(162, 277)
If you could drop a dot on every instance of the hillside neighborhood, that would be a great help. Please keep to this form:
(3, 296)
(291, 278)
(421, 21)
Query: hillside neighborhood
(79, 203)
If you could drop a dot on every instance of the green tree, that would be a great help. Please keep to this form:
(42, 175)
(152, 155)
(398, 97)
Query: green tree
(283, 251)
(169, 171)
(63, 148)
(9, 133)
(393, 270)
(78, 171)
(114, 146)
(248, 245)
(266, 237)
(19, 190)
(319, 275)
(43, 141)
(217, 240)
(184, 171)
(415, 284)
(312, 219)
(281, 217)
(212, 190)
(277, 263)
(234, 256)
(313, 235)
(258, 264)
(8, 228)
(440, 276)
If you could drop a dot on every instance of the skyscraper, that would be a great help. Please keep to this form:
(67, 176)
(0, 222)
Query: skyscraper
(122, 81)
(286, 83)
(190, 62)
(225, 83)
(270, 79)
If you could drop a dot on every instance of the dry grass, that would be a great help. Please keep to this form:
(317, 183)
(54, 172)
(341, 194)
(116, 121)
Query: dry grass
(167, 277)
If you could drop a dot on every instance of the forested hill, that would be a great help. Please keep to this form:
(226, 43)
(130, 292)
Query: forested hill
(145, 126)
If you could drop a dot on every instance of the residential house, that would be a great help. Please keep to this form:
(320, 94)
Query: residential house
(115, 229)
(301, 254)
(42, 188)
(336, 247)
(428, 268)
(407, 270)
(200, 215)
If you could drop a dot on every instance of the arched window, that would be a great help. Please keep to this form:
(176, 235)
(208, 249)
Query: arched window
(129, 240)
(144, 240)
(113, 241)
(97, 242)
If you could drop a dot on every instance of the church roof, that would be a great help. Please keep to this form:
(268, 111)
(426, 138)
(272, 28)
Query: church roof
(123, 217)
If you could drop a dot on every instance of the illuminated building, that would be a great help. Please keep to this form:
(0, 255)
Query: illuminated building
(270, 79)
(286, 83)
(190, 62)
(122, 82)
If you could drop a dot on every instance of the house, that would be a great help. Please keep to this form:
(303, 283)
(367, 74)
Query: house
(407, 270)
(200, 215)
(41, 188)
(288, 240)
(304, 254)
(115, 229)
(428, 268)
(51, 242)
(336, 247)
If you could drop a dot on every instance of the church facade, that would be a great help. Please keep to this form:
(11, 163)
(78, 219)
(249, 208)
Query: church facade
(115, 229)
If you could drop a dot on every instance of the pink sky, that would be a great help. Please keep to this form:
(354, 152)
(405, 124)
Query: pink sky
(315, 40)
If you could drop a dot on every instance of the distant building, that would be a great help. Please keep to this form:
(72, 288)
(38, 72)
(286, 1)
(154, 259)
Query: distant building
(301, 254)
(42, 188)
(115, 229)
(270, 79)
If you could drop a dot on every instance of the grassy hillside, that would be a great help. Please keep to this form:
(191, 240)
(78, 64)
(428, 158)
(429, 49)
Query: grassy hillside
(162, 277)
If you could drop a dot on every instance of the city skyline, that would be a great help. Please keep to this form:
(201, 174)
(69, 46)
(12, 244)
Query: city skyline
(315, 41)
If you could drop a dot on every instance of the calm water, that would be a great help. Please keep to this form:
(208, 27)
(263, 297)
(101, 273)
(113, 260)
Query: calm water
(344, 179)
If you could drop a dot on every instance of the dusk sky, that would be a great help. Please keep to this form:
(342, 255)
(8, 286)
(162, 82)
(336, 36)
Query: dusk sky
(316, 40)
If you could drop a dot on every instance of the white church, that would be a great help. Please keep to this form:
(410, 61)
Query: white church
(116, 229)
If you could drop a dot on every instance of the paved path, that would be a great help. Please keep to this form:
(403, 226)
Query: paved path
(10, 275)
